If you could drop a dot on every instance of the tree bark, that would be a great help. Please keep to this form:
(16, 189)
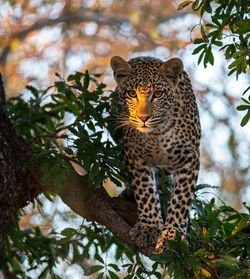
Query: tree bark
(19, 186)
(15, 192)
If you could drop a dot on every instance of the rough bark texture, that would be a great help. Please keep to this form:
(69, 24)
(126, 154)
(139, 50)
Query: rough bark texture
(20, 185)
(15, 189)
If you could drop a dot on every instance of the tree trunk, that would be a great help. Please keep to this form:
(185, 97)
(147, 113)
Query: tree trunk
(15, 189)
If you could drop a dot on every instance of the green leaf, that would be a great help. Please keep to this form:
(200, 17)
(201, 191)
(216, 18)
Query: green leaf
(246, 91)
(119, 252)
(196, 6)
(50, 195)
(198, 41)
(99, 258)
(184, 4)
(208, 57)
(240, 225)
(218, 43)
(92, 269)
(243, 107)
(171, 269)
(68, 93)
(198, 49)
(33, 90)
(231, 273)
(163, 258)
(100, 276)
(211, 25)
(114, 266)
(245, 119)
(211, 58)
(178, 271)
(60, 86)
(113, 275)
(86, 81)
(236, 62)
(69, 232)
(201, 56)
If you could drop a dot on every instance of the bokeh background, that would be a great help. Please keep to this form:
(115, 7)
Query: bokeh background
(41, 37)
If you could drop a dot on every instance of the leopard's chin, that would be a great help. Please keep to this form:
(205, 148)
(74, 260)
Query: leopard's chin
(145, 129)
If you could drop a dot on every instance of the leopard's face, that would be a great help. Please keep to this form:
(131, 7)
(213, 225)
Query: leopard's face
(147, 98)
(146, 92)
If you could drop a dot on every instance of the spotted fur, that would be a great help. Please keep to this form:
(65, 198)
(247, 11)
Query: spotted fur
(161, 127)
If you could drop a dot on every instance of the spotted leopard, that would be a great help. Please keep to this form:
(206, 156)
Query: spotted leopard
(161, 127)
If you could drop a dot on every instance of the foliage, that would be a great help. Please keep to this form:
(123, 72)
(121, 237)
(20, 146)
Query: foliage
(217, 243)
(229, 29)
(42, 121)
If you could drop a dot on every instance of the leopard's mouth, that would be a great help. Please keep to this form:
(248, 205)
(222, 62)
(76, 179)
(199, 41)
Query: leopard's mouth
(142, 126)
(145, 129)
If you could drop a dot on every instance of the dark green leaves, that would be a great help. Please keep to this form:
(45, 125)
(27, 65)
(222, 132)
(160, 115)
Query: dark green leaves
(246, 108)
(87, 141)
(228, 29)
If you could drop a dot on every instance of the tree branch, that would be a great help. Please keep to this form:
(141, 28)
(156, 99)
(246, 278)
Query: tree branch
(80, 15)
(117, 214)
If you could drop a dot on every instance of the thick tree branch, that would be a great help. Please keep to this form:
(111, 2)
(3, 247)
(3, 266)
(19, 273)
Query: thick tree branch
(20, 185)
(81, 15)
(117, 214)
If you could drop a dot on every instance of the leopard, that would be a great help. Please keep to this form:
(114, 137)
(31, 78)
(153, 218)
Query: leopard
(160, 124)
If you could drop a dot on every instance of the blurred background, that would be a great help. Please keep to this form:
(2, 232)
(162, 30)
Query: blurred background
(41, 37)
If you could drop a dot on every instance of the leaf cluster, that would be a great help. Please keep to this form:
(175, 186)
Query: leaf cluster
(86, 141)
(228, 29)
(228, 19)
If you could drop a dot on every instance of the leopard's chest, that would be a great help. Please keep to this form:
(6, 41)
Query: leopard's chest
(153, 148)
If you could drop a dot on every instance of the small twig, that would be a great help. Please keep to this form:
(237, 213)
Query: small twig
(51, 135)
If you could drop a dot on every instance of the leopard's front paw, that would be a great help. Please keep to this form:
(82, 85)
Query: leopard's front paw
(145, 236)
(168, 233)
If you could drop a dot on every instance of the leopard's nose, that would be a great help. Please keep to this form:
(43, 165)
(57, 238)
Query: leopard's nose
(144, 118)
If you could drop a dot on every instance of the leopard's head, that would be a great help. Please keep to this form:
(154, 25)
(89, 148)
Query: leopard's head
(146, 88)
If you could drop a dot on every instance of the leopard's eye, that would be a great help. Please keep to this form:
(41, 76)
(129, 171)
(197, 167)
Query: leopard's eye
(131, 94)
(158, 94)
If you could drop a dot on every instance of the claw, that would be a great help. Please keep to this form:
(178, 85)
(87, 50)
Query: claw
(167, 234)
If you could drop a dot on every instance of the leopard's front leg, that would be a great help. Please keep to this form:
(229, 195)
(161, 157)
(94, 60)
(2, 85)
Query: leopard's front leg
(184, 181)
(149, 223)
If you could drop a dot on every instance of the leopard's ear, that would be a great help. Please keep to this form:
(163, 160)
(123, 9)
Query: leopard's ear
(171, 69)
(121, 69)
